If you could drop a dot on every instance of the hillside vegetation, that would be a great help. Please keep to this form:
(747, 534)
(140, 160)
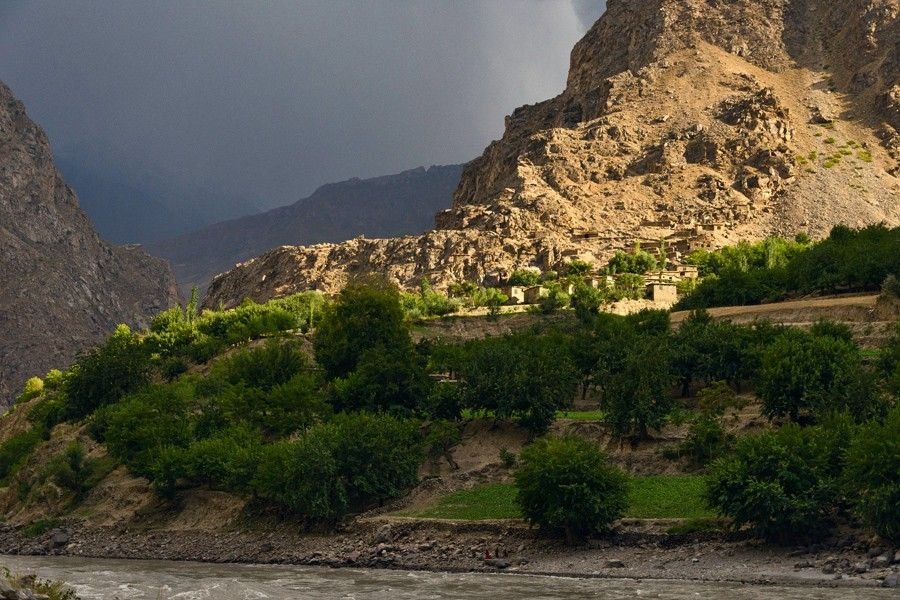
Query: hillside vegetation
(314, 409)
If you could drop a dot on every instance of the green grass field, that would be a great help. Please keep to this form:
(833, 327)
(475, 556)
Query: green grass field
(650, 497)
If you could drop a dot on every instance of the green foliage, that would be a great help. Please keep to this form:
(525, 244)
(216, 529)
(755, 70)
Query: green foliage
(442, 436)
(39, 527)
(14, 452)
(385, 379)
(523, 376)
(137, 429)
(848, 260)
(891, 286)
(227, 460)
(263, 368)
(783, 484)
(507, 458)
(34, 387)
(74, 471)
(813, 375)
(705, 350)
(367, 315)
(629, 285)
(587, 300)
(106, 374)
(578, 268)
(633, 371)
(492, 299)
(427, 303)
(350, 463)
(565, 484)
(555, 300)
(706, 440)
(637, 262)
(525, 277)
(872, 475)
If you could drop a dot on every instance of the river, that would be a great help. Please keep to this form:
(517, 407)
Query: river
(161, 580)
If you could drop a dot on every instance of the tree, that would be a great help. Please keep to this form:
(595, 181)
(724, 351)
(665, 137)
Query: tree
(636, 395)
(367, 315)
(392, 380)
(106, 374)
(527, 377)
(804, 375)
(872, 475)
(784, 484)
(565, 484)
(525, 277)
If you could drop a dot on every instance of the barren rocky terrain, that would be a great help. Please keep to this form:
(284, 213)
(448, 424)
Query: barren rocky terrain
(690, 122)
(62, 288)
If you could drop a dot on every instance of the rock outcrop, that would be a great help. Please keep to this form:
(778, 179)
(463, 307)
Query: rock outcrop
(694, 122)
(391, 205)
(62, 289)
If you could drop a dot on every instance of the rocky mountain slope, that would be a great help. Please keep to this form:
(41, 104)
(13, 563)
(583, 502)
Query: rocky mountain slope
(63, 288)
(697, 122)
(386, 206)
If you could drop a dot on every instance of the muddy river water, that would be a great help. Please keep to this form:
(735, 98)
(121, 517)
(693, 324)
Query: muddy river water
(159, 580)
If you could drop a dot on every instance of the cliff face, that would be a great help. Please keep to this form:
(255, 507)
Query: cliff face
(63, 289)
(698, 122)
(392, 205)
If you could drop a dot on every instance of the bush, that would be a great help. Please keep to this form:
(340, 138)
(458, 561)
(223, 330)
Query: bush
(783, 484)
(444, 401)
(706, 440)
(442, 437)
(264, 368)
(106, 374)
(16, 450)
(33, 388)
(565, 484)
(74, 471)
(636, 390)
(873, 476)
(891, 286)
(352, 462)
(227, 460)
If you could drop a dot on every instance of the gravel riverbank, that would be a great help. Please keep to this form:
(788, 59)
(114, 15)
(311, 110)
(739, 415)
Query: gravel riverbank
(634, 550)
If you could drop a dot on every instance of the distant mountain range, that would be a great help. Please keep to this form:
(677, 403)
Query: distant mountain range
(127, 212)
(387, 206)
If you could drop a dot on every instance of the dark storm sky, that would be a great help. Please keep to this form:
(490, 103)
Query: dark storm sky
(270, 99)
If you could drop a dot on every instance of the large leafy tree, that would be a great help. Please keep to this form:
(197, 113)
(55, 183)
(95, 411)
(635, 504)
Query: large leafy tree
(367, 315)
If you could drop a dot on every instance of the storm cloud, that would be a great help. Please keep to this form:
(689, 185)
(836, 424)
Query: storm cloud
(268, 100)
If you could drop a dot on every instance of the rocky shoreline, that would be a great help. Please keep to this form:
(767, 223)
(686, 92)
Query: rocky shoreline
(633, 551)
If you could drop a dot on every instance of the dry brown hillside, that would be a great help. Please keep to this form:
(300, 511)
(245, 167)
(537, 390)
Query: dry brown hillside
(698, 122)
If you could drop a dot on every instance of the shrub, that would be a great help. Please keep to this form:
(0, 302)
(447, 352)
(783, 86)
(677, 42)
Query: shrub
(783, 484)
(706, 440)
(873, 476)
(74, 471)
(578, 268)
(444, 401)
(106, 374)
(137, 429)
(264, 368)
(33, 388)
(637, 382)
(302, 476)
(891, 286)
(16, 450)
(565, 484)
(637, 262)
(227, 460)
(442, 437)
(351, 462)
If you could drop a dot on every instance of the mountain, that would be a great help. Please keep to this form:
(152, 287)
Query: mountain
(392, 205)
(127, 212)
(64, 289)
(696, 122)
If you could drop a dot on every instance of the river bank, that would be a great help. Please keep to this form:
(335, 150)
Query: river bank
(636, 550)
